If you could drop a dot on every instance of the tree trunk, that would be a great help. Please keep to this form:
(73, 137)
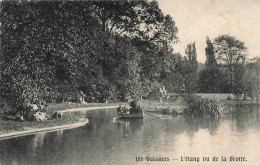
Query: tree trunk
(231, 77)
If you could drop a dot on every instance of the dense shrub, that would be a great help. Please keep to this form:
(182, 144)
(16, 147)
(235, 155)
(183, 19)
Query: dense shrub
(5, 108)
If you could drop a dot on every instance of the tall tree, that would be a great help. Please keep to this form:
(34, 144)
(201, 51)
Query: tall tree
(210, 55)
(252, 81)
(45, 46)
(151, 32)
(191, 67)
(239, 80)
(210, 78)
(142, 19)
(230, 51)
(107, 49)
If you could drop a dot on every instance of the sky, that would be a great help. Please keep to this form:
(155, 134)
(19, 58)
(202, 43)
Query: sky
(197, 19)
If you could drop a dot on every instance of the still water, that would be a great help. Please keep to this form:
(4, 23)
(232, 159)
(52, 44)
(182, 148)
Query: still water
(172, 140)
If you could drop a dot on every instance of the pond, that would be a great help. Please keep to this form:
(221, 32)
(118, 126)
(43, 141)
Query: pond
(153, 140)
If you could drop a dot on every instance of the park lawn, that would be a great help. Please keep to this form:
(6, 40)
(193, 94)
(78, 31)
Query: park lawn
(179, 107)
(163, 107)
(222, 98)
(215, 96)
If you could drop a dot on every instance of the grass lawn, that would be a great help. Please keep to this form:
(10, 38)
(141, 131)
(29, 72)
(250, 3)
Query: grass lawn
(214, 96)
(163, 107)
(222, 98)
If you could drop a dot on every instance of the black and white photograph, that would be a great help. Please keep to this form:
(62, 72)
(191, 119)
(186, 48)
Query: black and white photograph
(129, 82)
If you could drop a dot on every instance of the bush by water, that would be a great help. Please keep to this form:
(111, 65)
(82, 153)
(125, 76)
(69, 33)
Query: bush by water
(202, 107)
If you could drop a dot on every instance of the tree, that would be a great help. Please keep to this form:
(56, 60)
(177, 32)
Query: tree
(45, 46)
(252, 78)
(121, 68)
(109, 50)
(239, 80)
(142, 19)
(211, 61)
(211, 79)
(190, 70)
(230, 51)
(149, 30)
(25, 79)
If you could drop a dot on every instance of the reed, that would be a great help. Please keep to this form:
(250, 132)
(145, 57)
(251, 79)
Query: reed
(203, 107)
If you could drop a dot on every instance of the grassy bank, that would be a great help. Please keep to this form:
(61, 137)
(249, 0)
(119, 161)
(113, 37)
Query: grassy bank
(8, 126)
(62, 106)
(222, 98)
(165, 108)
(207, 104)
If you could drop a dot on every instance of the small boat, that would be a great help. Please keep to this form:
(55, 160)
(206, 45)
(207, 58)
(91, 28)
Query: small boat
(139, 115)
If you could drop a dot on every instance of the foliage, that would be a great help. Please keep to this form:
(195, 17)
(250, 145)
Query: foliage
(201, 107)
(190, 69)
(239, 80)
(115, 50)
(141, 19)
(225, 69)
(251, 80)
(210, 56)
(230, 51)
(212, 79)
(42, 51)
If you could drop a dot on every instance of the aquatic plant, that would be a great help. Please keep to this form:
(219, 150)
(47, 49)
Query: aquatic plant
(197, 106)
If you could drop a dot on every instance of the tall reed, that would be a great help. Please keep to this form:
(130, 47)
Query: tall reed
(202, 107)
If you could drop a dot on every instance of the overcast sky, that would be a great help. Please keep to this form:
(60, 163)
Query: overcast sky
(197, 19)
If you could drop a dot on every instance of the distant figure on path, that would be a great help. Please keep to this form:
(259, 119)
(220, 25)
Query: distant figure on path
(81, 97)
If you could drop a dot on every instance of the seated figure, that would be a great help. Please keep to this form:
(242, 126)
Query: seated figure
(123, 109)
(135, 107)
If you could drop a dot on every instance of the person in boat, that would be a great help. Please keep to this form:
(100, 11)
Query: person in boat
(120, 109)
(135, 107)
(123, 109)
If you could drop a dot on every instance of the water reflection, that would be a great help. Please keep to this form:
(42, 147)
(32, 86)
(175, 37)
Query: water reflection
(104, 141)
(129, 127)
(38, 139)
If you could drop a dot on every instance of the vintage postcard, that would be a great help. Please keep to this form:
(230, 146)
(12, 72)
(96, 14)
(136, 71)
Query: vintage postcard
(137, 82)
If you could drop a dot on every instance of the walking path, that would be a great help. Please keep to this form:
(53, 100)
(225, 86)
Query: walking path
(56, 128)
(89, 108)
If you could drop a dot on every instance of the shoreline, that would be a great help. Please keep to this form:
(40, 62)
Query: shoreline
(79, 123)
(88, 108)
(240, 102)
(46, 129)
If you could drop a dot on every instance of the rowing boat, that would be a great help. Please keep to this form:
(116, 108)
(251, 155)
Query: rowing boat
(138, 115)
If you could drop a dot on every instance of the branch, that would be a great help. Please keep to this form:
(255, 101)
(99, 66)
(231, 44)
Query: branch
(129, 25)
